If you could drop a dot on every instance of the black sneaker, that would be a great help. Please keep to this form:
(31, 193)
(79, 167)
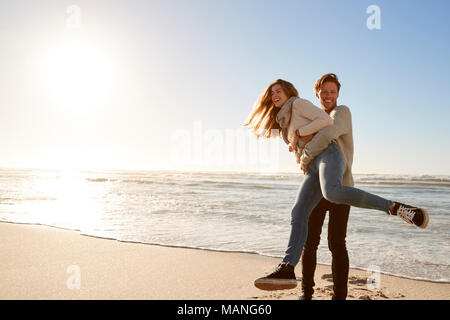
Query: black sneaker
(411, 215)
(282, 278)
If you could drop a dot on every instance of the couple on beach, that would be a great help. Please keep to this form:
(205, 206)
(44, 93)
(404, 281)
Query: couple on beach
(322, 141)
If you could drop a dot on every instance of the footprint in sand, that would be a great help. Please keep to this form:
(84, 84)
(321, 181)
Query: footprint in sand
(357, 280)
(328, 277)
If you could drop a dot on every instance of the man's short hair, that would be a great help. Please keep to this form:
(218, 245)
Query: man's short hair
(329, 77)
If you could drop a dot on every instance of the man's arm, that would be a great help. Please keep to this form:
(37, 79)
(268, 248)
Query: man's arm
(342, 125)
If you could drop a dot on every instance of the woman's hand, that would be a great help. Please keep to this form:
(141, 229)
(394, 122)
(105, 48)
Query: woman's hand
(303, 167)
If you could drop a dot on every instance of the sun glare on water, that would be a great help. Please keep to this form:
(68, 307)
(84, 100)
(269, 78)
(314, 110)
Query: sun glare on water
(72, 202)
(78, 74)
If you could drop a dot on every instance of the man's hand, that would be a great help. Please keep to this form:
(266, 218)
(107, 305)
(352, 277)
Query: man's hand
(293, 144)
(305, 139)
(303, 167)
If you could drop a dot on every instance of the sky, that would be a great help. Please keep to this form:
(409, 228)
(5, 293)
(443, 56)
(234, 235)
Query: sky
(153, 85)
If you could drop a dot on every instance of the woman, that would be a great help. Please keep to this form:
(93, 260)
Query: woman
(280, 108)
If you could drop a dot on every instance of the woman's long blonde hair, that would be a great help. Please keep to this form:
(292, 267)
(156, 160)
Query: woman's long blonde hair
(262, 119)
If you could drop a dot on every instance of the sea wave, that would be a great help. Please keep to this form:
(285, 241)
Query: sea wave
(405, 182)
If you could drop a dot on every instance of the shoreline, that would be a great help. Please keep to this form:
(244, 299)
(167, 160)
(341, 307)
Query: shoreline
(213, 250)
(40, 262)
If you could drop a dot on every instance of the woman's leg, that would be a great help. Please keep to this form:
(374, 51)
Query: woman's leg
(308, 197)
(332, 165)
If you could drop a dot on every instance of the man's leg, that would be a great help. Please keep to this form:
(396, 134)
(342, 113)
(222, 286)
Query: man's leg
(309, 256)
(337, 231)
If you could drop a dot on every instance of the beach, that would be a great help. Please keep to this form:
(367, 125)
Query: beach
(230, 212)
(42, 262)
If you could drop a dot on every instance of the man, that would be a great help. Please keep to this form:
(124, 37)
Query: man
(327, 91)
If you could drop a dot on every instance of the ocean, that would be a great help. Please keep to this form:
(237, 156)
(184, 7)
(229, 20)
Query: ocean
(231, 211)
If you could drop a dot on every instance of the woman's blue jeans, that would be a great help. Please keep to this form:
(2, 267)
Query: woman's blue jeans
(324, 179)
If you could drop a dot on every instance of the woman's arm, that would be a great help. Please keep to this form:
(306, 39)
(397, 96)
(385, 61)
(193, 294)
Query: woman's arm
(342, 125)
(319, 118)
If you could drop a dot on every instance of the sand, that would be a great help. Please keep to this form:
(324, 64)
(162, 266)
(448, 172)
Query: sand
(41, 262)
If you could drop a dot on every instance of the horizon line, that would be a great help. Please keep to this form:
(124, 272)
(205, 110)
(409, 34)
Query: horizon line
(262, 172)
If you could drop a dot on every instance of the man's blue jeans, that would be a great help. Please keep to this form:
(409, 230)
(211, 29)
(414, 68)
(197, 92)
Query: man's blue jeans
(324, 179)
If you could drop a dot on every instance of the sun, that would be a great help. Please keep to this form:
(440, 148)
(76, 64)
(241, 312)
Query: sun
(78, 74)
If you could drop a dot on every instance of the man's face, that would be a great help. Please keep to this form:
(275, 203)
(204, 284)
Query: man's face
(328, 95)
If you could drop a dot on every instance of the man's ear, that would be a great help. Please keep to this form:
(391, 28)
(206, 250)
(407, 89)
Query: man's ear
(317, 95)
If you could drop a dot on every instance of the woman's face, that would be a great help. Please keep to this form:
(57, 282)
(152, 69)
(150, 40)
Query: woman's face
(278, 96)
